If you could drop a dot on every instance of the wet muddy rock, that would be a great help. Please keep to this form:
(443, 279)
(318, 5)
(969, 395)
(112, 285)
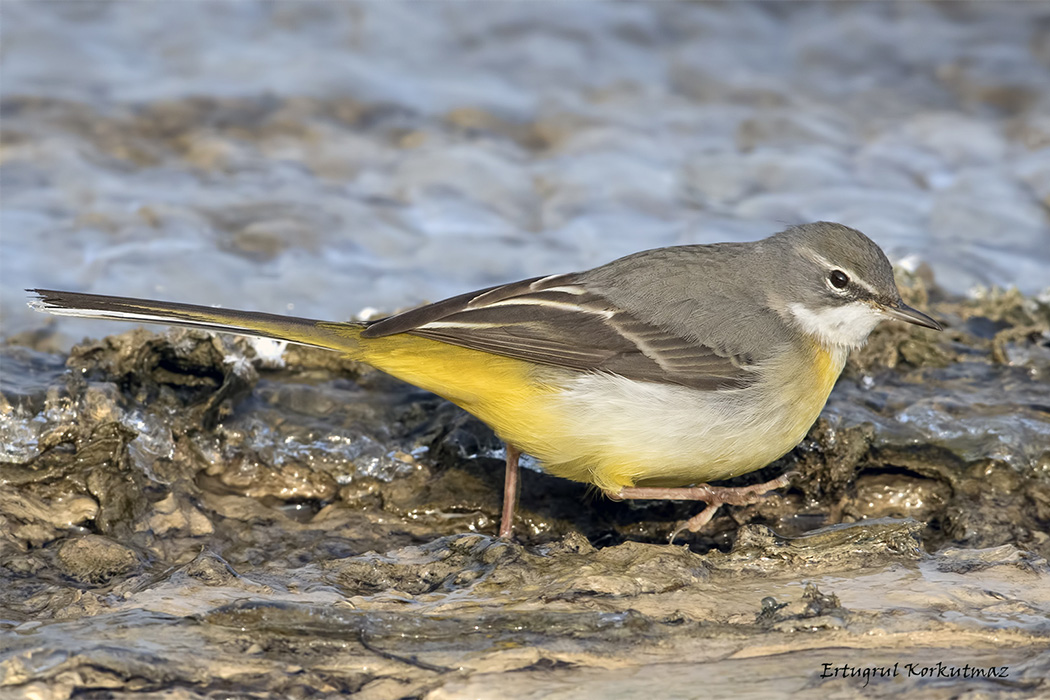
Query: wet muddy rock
(93, 559)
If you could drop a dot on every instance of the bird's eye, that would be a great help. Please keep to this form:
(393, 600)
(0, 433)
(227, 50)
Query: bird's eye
(838, 279)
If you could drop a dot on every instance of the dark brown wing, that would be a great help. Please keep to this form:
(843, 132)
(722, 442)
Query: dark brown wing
(556, 321)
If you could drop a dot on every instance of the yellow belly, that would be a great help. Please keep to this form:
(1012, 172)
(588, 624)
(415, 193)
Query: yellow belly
(613, 432)
(620, 433)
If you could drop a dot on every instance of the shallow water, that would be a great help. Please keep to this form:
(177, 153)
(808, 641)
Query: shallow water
(322, 158)
(179, 525)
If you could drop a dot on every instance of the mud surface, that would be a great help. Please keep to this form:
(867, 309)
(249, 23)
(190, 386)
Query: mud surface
(182, 516)
(186, 517)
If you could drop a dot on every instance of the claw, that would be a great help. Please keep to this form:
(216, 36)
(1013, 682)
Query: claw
(696, 522)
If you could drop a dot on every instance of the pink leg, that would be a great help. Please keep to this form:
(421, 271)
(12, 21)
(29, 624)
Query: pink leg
(713, 496)
(510, 493)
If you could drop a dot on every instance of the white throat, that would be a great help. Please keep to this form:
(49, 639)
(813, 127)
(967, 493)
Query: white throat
(846, 326)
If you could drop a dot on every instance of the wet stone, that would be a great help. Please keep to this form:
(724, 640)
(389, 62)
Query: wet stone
(94, 559)
(846, 544)
(813, 611)
(211, 569)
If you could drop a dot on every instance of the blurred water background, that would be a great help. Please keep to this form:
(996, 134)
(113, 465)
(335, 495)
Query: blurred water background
(319, 158)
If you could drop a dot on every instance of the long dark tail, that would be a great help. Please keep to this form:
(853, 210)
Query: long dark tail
(303, 331)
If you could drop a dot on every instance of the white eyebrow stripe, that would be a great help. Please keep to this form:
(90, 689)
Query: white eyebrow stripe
(821, 260)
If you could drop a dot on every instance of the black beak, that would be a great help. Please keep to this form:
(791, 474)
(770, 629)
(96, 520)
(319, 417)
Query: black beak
(902, 312)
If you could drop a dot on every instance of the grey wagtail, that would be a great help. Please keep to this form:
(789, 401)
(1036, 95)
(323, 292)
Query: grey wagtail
(647, 377)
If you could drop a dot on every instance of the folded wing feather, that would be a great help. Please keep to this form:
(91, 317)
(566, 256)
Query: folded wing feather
(557, 321)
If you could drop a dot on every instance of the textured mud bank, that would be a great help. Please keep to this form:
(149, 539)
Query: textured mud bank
(182, 516)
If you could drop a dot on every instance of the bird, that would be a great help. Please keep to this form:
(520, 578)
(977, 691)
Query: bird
(647, 377)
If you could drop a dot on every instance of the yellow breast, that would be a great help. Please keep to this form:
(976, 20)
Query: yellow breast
(808, 391)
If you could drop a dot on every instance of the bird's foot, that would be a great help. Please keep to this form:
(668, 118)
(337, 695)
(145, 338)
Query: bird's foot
(713, 496)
